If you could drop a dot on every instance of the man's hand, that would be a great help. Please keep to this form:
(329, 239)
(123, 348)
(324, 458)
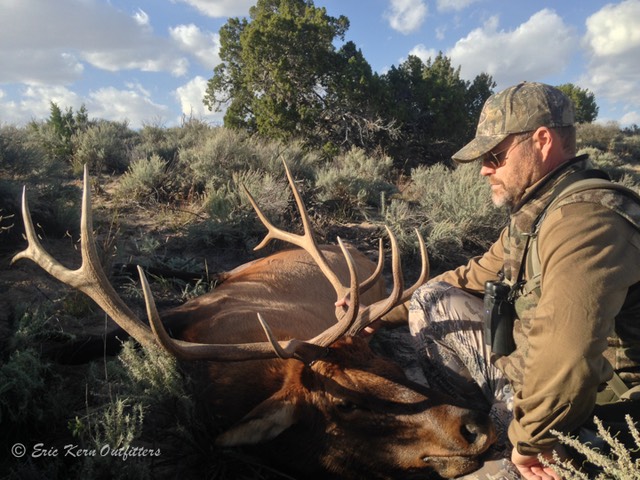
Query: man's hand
(531, 468)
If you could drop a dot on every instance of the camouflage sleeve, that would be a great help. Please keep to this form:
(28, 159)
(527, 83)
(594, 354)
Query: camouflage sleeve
(589, 258)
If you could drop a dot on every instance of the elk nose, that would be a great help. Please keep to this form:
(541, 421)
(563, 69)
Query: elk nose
(470, 432)
(477, 430)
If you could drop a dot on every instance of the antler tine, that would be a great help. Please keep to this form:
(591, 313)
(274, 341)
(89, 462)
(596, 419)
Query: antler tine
(308, 350)
(304, 351)
(375, 311)
(90, 277)
(347, 320)
(305, 241)
(424, 271)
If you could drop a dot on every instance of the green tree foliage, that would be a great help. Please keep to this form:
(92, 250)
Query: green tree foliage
(437, 111)
(274, 66)
(583, 100)
(57, 131)
(281, 76)
(351, 115)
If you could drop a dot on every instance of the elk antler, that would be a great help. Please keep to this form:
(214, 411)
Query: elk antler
(92, 281)
(351, 322)
(302, 350)
(307, 241)
(356, 319)
(89, 278)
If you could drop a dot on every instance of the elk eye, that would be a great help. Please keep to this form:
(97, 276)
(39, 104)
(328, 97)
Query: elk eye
(346, 406)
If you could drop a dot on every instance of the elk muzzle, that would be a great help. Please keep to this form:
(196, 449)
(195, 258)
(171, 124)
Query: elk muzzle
(457, 451)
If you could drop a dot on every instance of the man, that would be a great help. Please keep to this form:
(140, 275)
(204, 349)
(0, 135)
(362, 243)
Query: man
(576, 305)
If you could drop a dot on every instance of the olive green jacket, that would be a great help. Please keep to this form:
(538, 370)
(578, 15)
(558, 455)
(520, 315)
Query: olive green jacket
(574, 331)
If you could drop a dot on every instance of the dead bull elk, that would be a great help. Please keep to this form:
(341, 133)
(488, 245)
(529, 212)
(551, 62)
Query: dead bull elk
(327, 405)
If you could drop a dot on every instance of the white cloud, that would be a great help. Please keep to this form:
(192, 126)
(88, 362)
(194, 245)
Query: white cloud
(133, 105)
(613, 43)
(46, 42)
(190, 96)
(137, 59)
(423, 53)
(202, 45)
(406, 16)
(457, 5)
(631, 118)
(34, 102)
(141, 18)
(538, 48)
(614, 29)
(221, 8)
(39, 66)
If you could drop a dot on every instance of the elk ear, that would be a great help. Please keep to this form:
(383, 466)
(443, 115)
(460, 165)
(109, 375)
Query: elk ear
(263, 423)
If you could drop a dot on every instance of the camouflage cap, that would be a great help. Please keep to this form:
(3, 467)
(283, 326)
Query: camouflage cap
(521, 108)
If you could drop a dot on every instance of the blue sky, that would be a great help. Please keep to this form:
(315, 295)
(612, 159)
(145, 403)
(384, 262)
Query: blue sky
(147, 61)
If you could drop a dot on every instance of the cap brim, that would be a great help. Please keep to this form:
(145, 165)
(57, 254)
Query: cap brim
(478, 147)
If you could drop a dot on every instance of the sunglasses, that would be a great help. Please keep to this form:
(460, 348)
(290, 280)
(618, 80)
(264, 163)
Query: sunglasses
(495, 160)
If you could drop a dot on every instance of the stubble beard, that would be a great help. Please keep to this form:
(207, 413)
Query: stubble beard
(510, 194)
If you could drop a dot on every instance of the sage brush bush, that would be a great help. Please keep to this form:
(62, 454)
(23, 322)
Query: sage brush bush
(621, 462)
(602, 137)
(22, 386)
(453, 210)
(104, 147)
(144, 180)
(21, 155)
(136, 400)
(211, 161)
(351, 185)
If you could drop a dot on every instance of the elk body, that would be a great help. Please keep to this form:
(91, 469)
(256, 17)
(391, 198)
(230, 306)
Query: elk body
(296, 381)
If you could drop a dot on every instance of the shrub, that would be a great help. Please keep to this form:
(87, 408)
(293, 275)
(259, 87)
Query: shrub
(211, 162)
(19, 154)
(354, 183)
(614, 165)
(454, 211)
(155, 140)
(612, 461)
(22, 386)
(232, 219)
(269, 154)
(103, 147)
(629, 149)
(144, 180)
(597, 135)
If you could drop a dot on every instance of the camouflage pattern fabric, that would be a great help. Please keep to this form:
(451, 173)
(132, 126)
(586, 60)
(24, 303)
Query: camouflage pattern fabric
(520, 226)
(521, 108)
(623, 356)
(447, 326)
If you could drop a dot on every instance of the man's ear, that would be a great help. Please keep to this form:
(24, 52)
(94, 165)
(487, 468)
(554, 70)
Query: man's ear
(549, 144)
(543, 139)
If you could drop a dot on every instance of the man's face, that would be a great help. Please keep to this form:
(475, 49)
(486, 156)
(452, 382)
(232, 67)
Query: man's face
(512, 167)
